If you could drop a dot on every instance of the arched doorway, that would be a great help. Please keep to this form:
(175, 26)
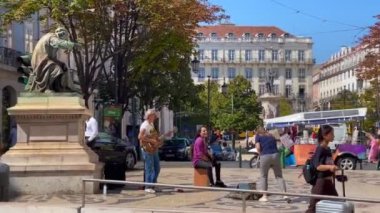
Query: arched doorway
(9, 98)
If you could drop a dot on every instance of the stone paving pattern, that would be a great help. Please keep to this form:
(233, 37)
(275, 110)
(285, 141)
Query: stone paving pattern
(363, 184)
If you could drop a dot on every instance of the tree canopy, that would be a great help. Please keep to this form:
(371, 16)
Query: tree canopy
(131, 43)
(237, 110)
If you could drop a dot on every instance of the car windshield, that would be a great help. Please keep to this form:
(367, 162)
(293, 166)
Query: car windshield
(106, 138)
(175, 142)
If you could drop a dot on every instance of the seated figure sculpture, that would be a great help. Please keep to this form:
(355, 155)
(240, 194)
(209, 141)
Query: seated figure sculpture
(49, 74)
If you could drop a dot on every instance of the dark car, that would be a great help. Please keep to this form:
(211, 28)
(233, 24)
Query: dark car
(175, 148)
(112, 149)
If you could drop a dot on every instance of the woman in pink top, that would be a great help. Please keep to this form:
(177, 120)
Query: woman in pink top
(374, 148)
(202, 159)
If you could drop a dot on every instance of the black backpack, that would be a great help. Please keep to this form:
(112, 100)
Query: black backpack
(309, 172)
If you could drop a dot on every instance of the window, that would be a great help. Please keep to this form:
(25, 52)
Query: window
(248, 55)
(353, 87)
(301, 75)
(261, 89)
(215, 73)
(230, 35)
(201, 54)
(288, 91)
(231, 72)
(274, 55)
(214, 55)
(286, 35)
(231, 55)
(273, 35)
(214, 36)
(301, 91)
(262, 74)
(288, 55)
(201, 74)
(301, 55)
(288, 73)
(275, 89)
(247, 36)
(260, 35)
(248, 73)
(261, 55)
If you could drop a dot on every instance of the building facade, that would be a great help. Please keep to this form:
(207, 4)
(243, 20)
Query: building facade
(226, 51)
(338, 74)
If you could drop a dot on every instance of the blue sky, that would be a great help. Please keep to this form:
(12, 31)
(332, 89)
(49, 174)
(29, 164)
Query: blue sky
(331, 23)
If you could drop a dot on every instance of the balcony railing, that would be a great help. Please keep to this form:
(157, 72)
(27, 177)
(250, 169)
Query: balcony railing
(8, 56)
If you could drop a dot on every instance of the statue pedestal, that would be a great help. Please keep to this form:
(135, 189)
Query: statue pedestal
(50, 155)
(270, 104)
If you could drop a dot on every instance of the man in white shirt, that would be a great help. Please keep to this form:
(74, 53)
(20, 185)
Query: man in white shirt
(91, 131)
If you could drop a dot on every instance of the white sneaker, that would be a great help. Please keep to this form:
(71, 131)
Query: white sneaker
(150, 191)
(285, 197)
(263, 199)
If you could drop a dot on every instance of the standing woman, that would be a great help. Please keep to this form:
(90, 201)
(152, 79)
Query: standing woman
(374, 148)
(202, 159)
(266, 145)
(323, 162)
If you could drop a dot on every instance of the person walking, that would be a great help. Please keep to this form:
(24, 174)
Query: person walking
(91, 131)
(323, 162)
(374, 147)
(266, 145)
(202, 159)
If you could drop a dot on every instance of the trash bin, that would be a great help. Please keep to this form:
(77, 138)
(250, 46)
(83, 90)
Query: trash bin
(4, 182)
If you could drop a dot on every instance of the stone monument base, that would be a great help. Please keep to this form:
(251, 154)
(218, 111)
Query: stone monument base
(270, 104)
(50, 156)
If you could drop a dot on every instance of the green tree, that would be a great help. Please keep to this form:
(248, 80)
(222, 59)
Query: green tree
(368, 99)
(285, 107)
(238, 110)
(127, 41)
(345, 100)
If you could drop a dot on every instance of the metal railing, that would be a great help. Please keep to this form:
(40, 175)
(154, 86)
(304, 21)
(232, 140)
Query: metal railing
(8, 56)
(242, 191)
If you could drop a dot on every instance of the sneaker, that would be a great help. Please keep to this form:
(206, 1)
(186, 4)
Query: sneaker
(285, 197)
(150, 191)
(263, 199)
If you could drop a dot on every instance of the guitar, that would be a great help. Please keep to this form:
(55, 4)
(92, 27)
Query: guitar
(151, 147)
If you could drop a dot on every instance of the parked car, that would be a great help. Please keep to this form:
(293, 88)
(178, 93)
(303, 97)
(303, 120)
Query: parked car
(175, 148)
(112, 149)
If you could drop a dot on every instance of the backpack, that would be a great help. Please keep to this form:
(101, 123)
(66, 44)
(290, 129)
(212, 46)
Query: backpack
(309, 172)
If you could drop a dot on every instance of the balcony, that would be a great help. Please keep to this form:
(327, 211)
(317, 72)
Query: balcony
(8, 56)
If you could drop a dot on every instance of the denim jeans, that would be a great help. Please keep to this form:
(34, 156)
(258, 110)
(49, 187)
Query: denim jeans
(152, 167)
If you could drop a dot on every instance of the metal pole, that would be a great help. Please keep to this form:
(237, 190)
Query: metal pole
(208, 105)
(244, 204)
(240, 157)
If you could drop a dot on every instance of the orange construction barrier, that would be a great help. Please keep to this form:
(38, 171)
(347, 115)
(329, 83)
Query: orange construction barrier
(201, 177)
(301, 152)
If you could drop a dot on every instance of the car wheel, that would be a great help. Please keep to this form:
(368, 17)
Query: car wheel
(130, 160)
(254, 162)
(347, 163)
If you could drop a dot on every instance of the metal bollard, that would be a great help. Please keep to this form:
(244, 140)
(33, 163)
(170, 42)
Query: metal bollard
(240, 156)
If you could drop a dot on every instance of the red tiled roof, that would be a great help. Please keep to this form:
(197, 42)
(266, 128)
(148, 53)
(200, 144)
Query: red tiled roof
(238, 31)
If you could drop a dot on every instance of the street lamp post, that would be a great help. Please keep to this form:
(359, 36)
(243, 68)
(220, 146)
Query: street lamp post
(208, 105)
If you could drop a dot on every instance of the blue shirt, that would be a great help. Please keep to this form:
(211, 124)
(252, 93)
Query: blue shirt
(267, 143)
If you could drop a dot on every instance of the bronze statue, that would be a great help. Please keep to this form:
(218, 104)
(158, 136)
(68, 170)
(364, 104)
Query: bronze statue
(49, 74)
(269, 82)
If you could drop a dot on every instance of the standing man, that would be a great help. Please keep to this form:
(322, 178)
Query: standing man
(150, 143)
(91, 131)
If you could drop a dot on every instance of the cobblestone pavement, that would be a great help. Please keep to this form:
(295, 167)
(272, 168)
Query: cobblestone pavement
(363, 184)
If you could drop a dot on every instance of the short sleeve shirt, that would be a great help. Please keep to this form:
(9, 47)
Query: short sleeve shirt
(267, 143)
(323, 156)
(149, 128)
